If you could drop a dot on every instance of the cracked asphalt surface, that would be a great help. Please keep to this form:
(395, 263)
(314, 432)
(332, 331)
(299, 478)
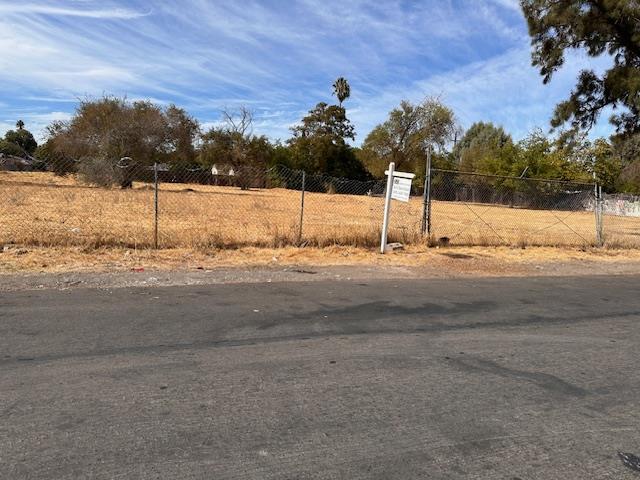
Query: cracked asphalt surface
(503, 378)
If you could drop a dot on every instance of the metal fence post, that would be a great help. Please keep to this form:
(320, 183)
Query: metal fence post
(155, 205)
(599, 216)
(426, 198)
(304, 178)
(429, 206)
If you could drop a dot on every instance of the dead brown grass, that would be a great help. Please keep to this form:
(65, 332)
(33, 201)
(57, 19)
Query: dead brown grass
(480, 261)
(40, 209)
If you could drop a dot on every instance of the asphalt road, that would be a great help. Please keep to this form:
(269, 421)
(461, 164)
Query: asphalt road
(485, 379)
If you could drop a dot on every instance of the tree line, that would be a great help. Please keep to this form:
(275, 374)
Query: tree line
(104, 131)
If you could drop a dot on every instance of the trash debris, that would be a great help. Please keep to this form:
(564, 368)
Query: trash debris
(137, 269)
(457, 256)
(444, 241)
(391, 247)
(630, 460)
(299, 270)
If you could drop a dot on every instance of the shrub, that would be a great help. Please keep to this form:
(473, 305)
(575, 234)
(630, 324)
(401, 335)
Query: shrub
(101, 172)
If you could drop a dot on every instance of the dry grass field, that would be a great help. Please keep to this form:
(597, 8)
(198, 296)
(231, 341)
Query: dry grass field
(45, 210)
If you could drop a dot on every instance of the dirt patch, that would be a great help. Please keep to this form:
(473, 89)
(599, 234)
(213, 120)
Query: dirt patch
(459, 256)
(25, 267)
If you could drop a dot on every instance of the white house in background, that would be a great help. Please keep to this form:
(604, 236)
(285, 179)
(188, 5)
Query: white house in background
(225, 170)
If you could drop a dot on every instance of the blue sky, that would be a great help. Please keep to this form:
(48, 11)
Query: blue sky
(277, 57)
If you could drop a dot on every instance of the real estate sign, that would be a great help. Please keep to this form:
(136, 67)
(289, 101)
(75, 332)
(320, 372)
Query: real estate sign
(401, 189)
(398, 188)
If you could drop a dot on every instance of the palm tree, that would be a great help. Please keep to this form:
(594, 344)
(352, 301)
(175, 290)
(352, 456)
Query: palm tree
(19, 124)
(341, 89)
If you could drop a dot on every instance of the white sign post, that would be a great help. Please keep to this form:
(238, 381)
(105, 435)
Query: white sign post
(387, 207)
(398, 188)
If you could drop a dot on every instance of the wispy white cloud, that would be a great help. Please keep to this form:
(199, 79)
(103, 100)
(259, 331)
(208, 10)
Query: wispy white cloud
(510, 4)
(35, 122)
(505, 89)
(4, 126)
(46, 118)
(43, 9)
(279, 58)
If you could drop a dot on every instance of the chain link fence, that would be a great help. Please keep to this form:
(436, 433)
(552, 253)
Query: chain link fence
(474, 209)
(132, 205)
(620, 214)
(141, 206)
(272, 207)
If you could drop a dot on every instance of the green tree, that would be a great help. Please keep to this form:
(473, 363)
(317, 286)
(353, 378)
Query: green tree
(22, 138)
(233, 143)
(629, 181)
(325, 121)
(485, 148)
(341, 90)
(9, 148)
(371, 162)
(407, 134)
(281, 155)
(598, 27)
(538, 156)
(182, 131)
(216, 147)
(319, 143)
(627, 149)
(605, 165)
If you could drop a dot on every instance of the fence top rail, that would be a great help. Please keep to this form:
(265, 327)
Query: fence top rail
(507, 177)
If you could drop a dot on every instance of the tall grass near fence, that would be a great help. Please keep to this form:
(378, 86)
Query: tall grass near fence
(265, 208)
